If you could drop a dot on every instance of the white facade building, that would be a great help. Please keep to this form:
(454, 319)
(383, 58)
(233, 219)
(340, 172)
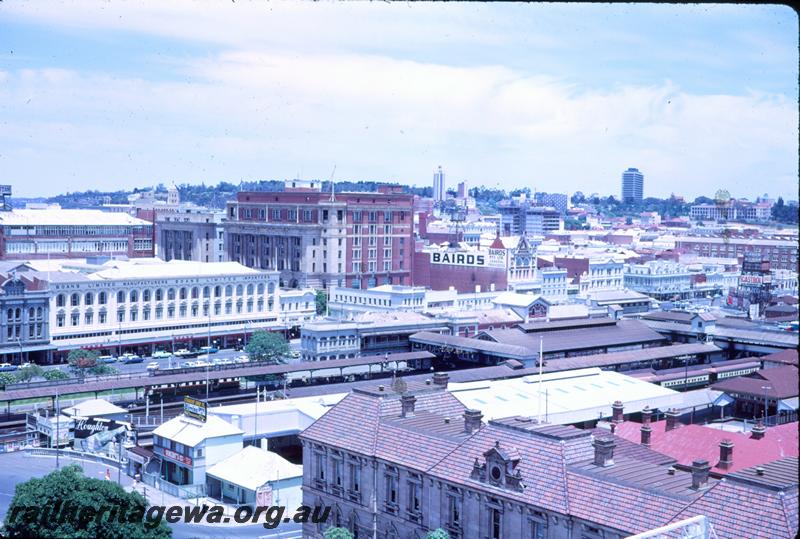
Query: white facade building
(659, 279)
(139, 303)
(603, 274)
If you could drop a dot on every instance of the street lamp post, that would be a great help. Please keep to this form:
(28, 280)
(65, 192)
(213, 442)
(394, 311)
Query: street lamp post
(765, 388)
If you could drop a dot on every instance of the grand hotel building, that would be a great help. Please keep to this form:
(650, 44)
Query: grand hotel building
(314, 239)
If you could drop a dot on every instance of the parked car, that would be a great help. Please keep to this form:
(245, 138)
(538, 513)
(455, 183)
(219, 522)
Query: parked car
(131, 359)
(26, 364)
(152, 366)
(6, 367)
(161, 354)
(106, 359)
(241, 359)
(222, 361)
(209, 349)
(183, 352)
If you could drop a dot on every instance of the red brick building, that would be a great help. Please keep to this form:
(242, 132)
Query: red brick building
(312, 238)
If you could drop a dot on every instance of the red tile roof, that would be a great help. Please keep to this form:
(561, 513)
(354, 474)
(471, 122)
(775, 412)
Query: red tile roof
(692, 442)
(789, 357)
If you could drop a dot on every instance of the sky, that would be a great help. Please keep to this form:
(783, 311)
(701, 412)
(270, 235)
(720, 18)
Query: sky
(554, 97)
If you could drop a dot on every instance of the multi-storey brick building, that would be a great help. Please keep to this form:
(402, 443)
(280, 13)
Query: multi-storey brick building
(312, 238)
(396, 465)
(782, 254)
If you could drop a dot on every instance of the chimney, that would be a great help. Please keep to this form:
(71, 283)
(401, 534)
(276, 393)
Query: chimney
(725, 454)
(672, 419)
(647, 416)
(646, 431)
(407, 404)
(472, 420)
(616, 412)
(700, 469)
(758, 431)
(441, 379)
(604, 451)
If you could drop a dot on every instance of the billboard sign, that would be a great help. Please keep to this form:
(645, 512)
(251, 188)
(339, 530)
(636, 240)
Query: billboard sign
(89, 426)
(194, 408)
(751, 280)
(491, 258)
(183, 459)
(264, 496)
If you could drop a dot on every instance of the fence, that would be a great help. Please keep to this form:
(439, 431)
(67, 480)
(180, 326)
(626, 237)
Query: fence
(183, 492)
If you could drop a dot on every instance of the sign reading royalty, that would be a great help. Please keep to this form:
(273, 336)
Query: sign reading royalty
(196, 409)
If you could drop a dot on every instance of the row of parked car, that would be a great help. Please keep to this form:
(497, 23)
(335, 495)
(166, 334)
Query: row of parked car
(8, 367)
(201, 361)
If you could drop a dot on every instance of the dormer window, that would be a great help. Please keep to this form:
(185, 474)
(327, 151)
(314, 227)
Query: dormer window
(499, 468)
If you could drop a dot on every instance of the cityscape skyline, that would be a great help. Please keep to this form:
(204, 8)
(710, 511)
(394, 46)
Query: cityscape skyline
(119, 98)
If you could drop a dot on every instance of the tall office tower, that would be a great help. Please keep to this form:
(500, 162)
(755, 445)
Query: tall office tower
(462, 189)
(632, 185)
(438, 185)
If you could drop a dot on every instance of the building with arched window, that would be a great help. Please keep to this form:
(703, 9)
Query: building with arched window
(140, 305)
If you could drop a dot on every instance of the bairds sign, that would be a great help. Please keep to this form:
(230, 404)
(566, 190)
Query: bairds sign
(493, 258)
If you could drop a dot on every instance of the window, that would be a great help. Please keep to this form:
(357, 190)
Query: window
(88, 318)
(75, 300)
(319, 466)
(355, 477)
(183, 293)
(391, 490)
(121, 296)
(495, 523)
(88, 299)
(121, 315)
(414, 501)
(387, 216)
(146, 295)
(159, 294)
(337, 472)
(170, 294)
(60, 300)
(453, 511)
(538, 529)
(102, 317)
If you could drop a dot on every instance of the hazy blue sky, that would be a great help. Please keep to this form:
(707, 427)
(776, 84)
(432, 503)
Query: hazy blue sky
(554, 97)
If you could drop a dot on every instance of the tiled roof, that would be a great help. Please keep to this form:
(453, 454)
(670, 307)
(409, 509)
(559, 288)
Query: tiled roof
(789, 357)
(687, 443)
(782, 383)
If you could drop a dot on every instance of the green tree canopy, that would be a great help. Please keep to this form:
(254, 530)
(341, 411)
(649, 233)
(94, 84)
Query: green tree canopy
(29, 372)
(267, 346)
(81, 360)
(7, 378)
(438, 533)
(65, 503)
(322, 302)
(55, 374)
(337, 533)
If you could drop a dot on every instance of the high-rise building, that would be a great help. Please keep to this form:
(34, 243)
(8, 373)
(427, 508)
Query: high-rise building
(462, 191)
(558, 201)
(439, 190)
(632, 185)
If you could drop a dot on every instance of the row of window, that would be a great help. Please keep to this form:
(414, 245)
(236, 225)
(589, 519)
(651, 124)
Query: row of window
(15, 331)
(183, 310)
(15, 314)
(171, 294)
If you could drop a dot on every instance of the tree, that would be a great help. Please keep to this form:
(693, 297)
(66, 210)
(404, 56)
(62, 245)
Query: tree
(55, 374)
(438, 533)
(66, 503)
(337, 533)
(28, 372)
(7, 378)
(322, 302)
(267, 346)
(80, 360)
